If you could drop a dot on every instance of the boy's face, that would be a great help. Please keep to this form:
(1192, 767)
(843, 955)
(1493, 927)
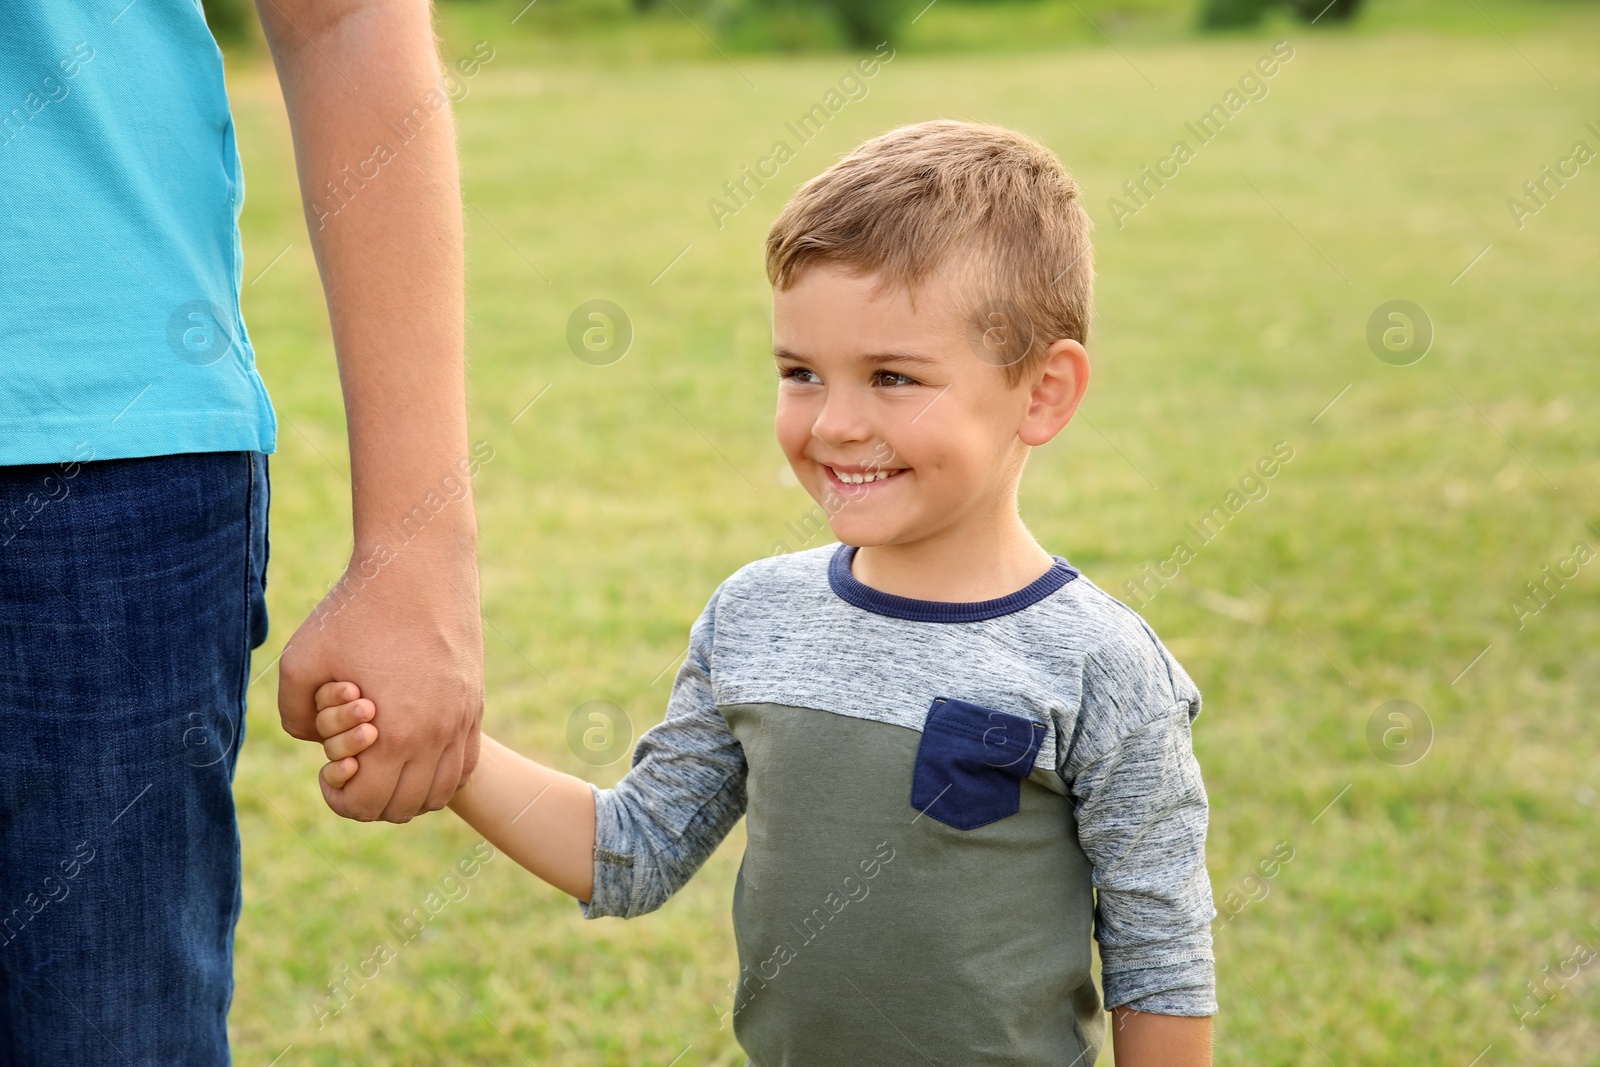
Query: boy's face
(889, 418)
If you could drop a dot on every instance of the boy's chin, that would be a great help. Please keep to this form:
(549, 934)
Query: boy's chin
(866, 535)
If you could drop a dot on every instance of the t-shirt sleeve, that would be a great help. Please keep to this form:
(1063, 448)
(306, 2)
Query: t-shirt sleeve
(683, 792)
(1141, 810)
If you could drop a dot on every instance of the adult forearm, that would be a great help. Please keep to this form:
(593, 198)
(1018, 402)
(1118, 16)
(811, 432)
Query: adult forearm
(375, 148)
(540, 817)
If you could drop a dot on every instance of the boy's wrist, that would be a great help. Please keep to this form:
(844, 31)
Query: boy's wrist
(464, 799)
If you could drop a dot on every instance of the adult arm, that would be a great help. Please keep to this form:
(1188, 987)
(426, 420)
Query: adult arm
(403, 623)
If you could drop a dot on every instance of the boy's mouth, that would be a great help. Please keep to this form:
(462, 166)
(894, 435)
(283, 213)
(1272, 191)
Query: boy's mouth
(860, 476)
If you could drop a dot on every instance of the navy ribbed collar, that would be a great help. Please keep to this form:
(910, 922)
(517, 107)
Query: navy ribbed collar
(867, 598)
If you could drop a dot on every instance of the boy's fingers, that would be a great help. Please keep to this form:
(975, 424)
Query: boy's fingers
(350, 742)
(342, 717)
(331, 693)
(336, 774)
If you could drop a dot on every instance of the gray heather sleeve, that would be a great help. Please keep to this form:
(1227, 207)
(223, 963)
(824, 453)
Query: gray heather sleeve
(682, 794)
(1141, 810)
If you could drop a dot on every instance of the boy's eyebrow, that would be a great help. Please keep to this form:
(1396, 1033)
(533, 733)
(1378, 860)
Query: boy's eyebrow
(780, 352)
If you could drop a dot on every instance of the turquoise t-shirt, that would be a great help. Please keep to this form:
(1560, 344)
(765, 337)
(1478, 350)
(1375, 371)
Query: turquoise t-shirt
(120, 260)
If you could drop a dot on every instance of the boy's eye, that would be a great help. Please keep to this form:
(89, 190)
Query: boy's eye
(889, 377)
(798, 374)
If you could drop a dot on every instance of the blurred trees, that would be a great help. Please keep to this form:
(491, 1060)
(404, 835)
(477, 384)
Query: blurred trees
(1227, 14)
(802, 25)
(231, 21)
(856, 23)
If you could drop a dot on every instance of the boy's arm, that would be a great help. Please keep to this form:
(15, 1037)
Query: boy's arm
(1145, 1039)
(643, 839)
(620, 851)
(684, 791)
(539, 816)
(1142, 816)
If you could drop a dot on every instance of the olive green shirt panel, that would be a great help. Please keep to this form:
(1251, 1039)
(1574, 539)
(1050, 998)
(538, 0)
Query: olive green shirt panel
(870, 933)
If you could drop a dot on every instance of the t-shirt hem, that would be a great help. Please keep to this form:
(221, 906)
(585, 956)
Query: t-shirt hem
(1183, 1005)
(63, 441)
(1182, 986)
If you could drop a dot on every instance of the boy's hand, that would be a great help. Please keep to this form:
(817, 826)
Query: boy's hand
(344, 722)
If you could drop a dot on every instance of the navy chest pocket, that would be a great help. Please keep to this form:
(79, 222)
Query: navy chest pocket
(971, 762)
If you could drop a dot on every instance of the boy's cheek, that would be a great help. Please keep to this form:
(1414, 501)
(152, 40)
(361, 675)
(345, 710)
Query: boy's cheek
(792, 424)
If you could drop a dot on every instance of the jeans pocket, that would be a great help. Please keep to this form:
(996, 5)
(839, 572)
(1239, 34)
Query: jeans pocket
(971, 762)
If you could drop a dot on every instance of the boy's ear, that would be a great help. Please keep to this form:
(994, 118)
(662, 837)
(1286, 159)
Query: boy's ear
(1058, 387)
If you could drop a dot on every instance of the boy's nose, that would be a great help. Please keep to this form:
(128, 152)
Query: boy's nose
(843, 419)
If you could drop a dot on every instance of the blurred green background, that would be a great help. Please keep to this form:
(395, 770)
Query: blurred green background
(1443, 871)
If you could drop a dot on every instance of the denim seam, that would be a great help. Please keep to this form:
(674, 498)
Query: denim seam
(249, 571)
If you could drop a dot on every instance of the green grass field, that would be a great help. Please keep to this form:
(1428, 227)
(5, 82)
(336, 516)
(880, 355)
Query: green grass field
(1233, 309)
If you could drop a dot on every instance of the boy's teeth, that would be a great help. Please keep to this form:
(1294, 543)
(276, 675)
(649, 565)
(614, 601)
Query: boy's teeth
(857, 479)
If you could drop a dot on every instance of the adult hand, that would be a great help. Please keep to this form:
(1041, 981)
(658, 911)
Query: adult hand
(404, 626)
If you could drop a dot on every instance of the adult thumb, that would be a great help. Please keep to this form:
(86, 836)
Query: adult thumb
(298, 679)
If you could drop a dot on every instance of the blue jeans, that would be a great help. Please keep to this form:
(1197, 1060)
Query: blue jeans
(130, 599)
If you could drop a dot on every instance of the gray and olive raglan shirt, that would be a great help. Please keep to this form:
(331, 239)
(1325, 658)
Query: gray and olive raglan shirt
(942, 800)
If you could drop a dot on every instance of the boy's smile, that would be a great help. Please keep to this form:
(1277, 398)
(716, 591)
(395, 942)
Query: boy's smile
(912, 443)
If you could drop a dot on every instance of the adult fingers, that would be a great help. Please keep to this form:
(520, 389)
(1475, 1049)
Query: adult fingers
(470, 751)
(446, 778)
(365, 798)
(410, 792)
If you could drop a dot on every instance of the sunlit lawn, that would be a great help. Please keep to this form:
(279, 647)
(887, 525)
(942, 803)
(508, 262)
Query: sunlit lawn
(1232, 312)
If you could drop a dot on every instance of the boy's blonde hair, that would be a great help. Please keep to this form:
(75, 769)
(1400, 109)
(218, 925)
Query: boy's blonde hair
(994, 204)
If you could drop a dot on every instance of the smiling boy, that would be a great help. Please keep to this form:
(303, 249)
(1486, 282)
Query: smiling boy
(960, 760)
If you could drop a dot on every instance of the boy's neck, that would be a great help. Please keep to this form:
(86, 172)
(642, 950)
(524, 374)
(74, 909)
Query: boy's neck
(958, 565)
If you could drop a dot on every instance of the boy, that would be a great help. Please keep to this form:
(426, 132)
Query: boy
(955, 753)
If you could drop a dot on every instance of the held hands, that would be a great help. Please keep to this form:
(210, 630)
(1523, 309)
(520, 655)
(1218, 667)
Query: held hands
(345, 724)
(555, 839)
(408, 637)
